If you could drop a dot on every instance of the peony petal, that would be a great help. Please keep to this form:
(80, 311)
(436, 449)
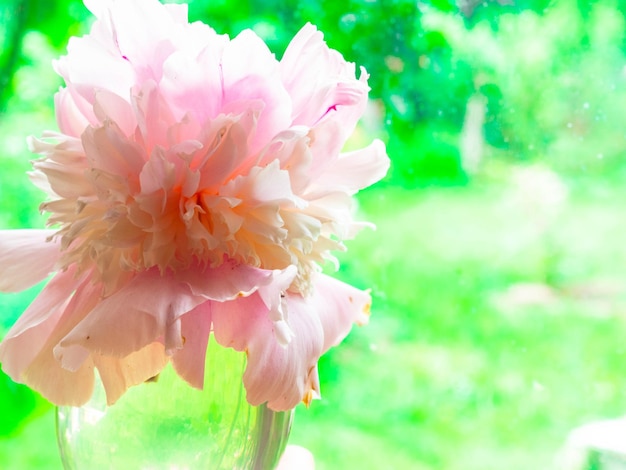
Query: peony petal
(154, 117)
(46, 373)
(356, 170)
(195, 329)
(196, 90)
(319, 80)
(339, 306)
(178, 12)
(119, 374)
(98, 7)
(60, 386)
(292, 149)
(66, 181)
(250, 72)
(262, 185)
(91, 65)
(275, 374)
(110, 107)
(106, 148)
(26, 257)
(283, 375)
(225, 282)
(27, 337)
(71, 117)
(133, 317)
(147, 43)
(273, 296)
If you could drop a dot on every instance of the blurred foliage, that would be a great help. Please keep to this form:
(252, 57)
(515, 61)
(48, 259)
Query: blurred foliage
(554, 81)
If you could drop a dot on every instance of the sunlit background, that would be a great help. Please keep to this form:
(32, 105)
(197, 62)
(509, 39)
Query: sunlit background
(498, 268)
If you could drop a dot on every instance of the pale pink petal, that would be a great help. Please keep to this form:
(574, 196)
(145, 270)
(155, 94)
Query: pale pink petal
(138, 314)
(292, 150)
(110, 107)
(119, 374)
(70, 115)
(154, 117)
(275, 374)
(59, 386)
(339, 306)
(229, 280)
(250, 72)
(145, 44)
(327, 140)
(91, 65)
(336, 208)
(29, 334)
(195, 329)
(98, 7)
(158, 173)
(26, 257)
(261, 185)
(178, 12)
(66, 181)
(283, 375)
(273, 296)
(106, 148)
(225, 149)
(46, 373)
(318, 79)
(356, 170)
(199, 90)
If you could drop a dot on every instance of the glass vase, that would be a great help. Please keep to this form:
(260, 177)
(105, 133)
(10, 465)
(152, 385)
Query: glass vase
(166, 424)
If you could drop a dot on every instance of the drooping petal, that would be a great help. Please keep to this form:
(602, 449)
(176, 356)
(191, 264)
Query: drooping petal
(26, 257)
(188, 361)
(30, 333)
(275, 374)
(231, 280)
(119, 374)
(138, 314)
(338, 305)
(63, 380)
(273, 296)
(58, 385)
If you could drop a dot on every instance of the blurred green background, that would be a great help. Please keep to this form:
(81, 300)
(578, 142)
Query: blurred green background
(498, 267)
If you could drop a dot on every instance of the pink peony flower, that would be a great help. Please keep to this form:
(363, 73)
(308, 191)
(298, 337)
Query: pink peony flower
(196, 186)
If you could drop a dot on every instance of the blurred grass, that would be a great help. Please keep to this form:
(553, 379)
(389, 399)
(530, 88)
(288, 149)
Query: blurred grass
(453, 374)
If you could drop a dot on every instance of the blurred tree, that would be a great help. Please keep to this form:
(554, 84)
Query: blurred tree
(56, 20)
(13, 16)
(554, 81)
